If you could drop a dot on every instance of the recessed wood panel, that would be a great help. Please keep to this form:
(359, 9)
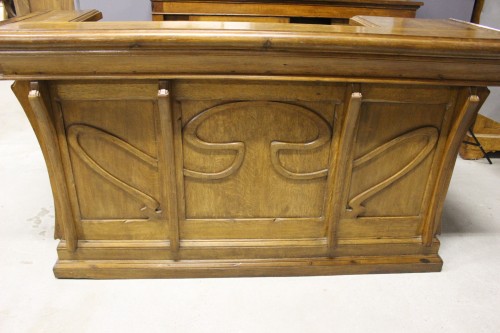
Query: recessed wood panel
(255, 151)
(113, 162)
(254, 181)
(396, 139)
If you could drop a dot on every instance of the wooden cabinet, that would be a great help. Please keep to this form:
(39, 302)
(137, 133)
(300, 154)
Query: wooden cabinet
(195, 150)
(297, 11)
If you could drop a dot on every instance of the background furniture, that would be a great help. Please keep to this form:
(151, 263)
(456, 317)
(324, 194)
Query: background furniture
(7, 9)
(24, 7)
(297, 11)
(187, 149)
(486, 130)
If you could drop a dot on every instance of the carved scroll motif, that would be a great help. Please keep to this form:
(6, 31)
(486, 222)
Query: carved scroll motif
(324, 134)
(191, 137)
(75, 132)
(356, 207)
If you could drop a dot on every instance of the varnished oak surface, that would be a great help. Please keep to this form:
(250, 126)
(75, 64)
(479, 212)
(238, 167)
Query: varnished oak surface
(168, 49)
(320, 11)
(202, 149)
(24, 7)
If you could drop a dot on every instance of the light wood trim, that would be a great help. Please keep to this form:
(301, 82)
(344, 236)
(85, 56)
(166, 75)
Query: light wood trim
(335, 205)
(179, 158)
(88, 16)
(491, 130)
(166, 152)
(459, 128)
(57, 16)
(21, 89)
(333, 79)
(158, 17)
(127, 269)
(24, 7)
(26, 17)
(244, 249)
(238, 18)
(438, 153)
(54, 164)
(478, 43)
(301, 9)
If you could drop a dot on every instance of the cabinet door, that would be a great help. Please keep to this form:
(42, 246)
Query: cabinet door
(111, 154)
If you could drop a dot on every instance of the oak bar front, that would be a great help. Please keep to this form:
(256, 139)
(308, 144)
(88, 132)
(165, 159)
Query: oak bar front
(210, 149)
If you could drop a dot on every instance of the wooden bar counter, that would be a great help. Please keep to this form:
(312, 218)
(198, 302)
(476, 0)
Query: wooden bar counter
(205, 149)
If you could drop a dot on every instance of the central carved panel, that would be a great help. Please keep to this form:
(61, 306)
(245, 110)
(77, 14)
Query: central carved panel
(255, 159)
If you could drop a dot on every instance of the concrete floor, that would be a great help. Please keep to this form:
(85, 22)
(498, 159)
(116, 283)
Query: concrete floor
(464, 297)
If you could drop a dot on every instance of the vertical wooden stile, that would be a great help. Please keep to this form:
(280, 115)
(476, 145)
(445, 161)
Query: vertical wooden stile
(335, 202)
(166, 151)
(48, 138)
(459, 128)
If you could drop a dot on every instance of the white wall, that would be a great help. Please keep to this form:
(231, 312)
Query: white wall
(442, 9)
(119, 10)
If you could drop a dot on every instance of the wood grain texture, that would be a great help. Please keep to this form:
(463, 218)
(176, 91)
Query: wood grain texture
(201, 149)
(24, 7)
(170, 49)
(49, 138)
(167, 151)
(430, 134)
(269, 11)
(341, 166)
(117, 269)
(462, 122)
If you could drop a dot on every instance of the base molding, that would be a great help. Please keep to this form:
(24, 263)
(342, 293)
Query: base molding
(136, 269)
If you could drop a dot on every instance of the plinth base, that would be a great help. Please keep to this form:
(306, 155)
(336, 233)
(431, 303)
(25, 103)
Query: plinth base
(127, 269)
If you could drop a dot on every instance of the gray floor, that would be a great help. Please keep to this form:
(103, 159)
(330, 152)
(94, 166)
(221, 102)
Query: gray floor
(464, 297)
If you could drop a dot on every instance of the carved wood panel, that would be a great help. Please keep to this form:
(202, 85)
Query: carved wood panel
(112, 157)
(251, 161)
(256, 154)
(273, 153)
(95, 149)
(398, 134)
